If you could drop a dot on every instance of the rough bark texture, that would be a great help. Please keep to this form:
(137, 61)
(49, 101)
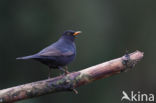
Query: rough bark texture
(70, 81)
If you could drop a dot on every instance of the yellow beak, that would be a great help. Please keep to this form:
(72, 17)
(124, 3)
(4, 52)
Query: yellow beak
(76, 33)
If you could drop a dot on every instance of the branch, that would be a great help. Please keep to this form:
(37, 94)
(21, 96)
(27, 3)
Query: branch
(72, 80)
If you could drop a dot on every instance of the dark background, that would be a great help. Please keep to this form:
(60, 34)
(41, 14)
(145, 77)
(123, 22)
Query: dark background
(109, 27)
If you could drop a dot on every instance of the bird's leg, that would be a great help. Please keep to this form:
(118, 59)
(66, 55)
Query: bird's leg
(66, 70)
(49, 73)
(60, 68)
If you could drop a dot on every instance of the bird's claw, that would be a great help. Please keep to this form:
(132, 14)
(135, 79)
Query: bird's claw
(49, 77)
(66, 72)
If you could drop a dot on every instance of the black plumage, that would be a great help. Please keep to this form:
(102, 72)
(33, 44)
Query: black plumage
(58, 54)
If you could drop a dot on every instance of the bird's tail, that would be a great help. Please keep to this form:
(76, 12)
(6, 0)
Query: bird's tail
(26, 57)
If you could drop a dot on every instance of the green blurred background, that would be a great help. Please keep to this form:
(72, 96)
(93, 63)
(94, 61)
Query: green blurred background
(109, 27)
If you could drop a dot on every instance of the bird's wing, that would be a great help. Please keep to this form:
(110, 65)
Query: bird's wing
(56, 52)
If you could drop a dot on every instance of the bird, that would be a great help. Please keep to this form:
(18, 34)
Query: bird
(59, 54)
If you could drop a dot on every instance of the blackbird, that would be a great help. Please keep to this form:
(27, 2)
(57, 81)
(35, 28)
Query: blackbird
(59, 54)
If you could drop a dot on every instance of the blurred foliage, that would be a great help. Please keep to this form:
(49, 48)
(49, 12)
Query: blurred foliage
(109, 27)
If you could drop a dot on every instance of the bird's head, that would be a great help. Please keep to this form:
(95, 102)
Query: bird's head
(70, 34)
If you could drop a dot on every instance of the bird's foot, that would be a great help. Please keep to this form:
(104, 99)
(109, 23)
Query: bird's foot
(49, 77)
(66, 72)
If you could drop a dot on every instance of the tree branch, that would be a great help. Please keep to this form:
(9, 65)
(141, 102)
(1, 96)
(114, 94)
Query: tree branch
(70, 81)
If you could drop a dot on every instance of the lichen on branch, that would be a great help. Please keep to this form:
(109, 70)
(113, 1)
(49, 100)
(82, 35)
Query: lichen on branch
(70, 81)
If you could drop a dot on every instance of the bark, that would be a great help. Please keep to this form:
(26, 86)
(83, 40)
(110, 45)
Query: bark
(72, 80)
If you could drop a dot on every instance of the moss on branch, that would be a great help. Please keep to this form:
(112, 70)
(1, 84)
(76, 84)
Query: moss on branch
(70, 81)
